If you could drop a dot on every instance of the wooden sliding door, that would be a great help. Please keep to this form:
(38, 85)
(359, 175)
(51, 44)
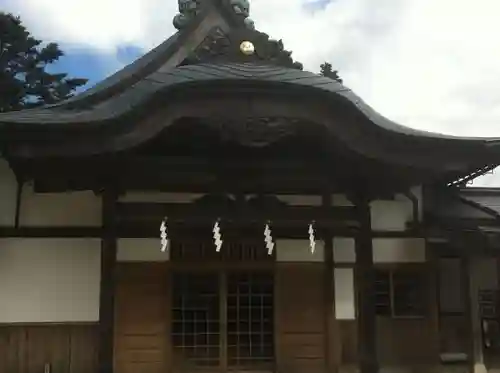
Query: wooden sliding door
(223, 321)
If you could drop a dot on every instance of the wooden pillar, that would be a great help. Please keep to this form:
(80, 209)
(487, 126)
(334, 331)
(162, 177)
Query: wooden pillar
(332, 345)
(432, 264)
(107, 289)
(472, 316)
(365, 291)
(465, 286)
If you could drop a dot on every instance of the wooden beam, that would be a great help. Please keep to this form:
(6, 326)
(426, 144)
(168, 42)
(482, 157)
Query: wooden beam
(142, 230)
(151, 164)
(193, 213)
(465, 271)
(186, 174)
(331, 326)
(51, 232)
(197, 175)
(107, 284)
(365, 291)
(433, 287)
(470, 295)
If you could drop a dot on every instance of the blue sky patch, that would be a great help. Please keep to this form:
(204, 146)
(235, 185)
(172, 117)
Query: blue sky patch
(93, 64)
(316, 5)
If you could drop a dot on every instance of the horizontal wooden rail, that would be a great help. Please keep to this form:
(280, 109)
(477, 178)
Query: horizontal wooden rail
(185, 231)
(202, 214)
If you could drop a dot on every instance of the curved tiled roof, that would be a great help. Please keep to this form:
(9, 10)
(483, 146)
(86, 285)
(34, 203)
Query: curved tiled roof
(130, 73)
(145, 88)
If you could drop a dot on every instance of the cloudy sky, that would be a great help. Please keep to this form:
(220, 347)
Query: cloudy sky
(428, 64)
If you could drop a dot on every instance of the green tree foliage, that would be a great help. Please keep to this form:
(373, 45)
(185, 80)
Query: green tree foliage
(24, 79)
(326, 69)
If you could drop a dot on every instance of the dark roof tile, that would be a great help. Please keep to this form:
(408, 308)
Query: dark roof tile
(145, 88)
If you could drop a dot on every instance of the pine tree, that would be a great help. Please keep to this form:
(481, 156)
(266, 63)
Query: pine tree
(326, 69)
(24, 80)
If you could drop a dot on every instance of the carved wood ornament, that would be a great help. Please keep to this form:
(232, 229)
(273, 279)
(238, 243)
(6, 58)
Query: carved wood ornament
(221, 47)
(254, 131)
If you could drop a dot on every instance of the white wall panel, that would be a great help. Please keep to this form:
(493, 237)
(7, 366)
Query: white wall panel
(391, 215)
(345, 305)
(301, 200)
(49, 280)
(298, 251)
(344, 250)
(340, 200)
(388, 215)
(141, 250)
(60, 209)
(159, 197)
(385, 250)
(398, 250)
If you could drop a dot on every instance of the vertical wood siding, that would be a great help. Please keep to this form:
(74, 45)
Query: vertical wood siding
(68, 348)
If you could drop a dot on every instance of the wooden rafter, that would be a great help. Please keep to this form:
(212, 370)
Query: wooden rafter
(130, 211)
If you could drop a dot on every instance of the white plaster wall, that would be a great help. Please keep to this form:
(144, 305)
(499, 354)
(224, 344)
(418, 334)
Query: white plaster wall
(386, 215)
(385, 250)
(298, 251)
(389, 215)
(8, 188)
(159, 197)
(345, 304)
(301, 200)
(398, 250)
(51, 209)
(340, 200)
(344, 250)
(60, 209)
(49, 280)
(141, 250)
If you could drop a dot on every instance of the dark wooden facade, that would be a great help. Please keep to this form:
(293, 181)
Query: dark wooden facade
(198, 115)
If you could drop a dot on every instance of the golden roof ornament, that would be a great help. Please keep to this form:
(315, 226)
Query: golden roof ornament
(247, 48)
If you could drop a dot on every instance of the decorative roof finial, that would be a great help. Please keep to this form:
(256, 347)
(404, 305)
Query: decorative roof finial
(242, 9)
(188, 9)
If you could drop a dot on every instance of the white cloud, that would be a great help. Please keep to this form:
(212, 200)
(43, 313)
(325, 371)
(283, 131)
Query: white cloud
(428, 64)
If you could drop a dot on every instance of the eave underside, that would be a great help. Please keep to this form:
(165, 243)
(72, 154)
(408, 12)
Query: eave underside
(201, 175)
(348, 148)
(341, 129)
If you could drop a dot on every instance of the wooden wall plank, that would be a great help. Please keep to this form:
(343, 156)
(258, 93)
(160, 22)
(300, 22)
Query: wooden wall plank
(83, 355)
(300, 332)
(142, 319)
(66, 347)
(418, 347)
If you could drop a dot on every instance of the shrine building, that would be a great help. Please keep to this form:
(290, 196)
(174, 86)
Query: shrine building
(213, 207)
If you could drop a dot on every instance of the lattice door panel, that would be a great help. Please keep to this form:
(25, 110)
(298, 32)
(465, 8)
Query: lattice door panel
(196, 320)
(250, 320)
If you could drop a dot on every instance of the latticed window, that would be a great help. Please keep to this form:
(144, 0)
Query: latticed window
(222, 319)
(195, 251)
(250, 337)
(196, 319)
(399, 293)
